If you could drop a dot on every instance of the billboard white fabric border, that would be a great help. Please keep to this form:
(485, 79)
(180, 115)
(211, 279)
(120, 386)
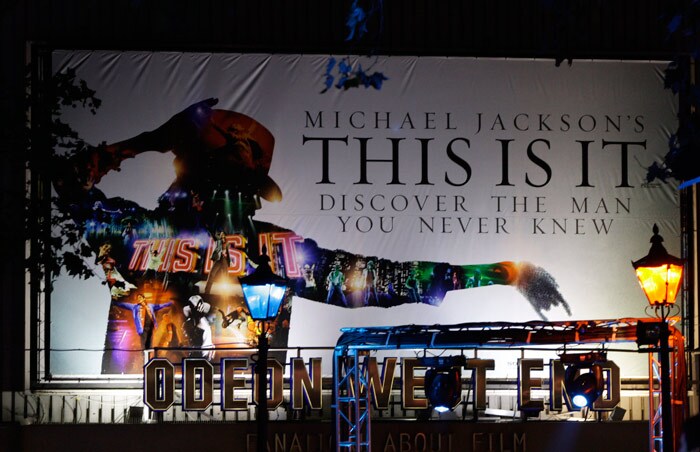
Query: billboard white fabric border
(493, 160)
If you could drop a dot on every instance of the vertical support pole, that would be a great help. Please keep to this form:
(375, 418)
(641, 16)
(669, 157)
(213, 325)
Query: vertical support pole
(654, 419)
(40, 210)
(335, 401)
(356, 415)
(666, 393)
(261, 412)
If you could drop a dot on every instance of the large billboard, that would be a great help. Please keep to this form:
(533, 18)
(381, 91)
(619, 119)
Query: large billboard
(458, 190)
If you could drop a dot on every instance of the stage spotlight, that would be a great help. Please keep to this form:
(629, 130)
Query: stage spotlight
(583, 388)
(443, 381)
(443, 388)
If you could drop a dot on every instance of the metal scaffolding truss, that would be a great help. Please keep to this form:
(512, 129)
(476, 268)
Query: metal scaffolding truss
(352, 405)
(678, 393)
(492, 334)
(352, 390)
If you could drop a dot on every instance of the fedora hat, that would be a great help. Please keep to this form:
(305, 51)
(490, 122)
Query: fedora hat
(247, 144)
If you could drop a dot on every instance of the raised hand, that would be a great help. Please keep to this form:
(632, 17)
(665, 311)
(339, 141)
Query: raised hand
(75, 176)
(540, 289)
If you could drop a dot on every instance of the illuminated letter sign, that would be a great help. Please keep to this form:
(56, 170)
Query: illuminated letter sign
(230, 383)
(306, 384)
(480, 366)
(159, 393)
(197, 385)
(607, 400)
(526, 383)
(381, 387)
(276, 381)
(410, 384)
(302, 384)
(610, 397)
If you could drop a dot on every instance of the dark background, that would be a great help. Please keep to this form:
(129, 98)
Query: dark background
(560, 30)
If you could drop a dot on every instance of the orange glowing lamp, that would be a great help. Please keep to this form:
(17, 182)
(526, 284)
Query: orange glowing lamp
(659, 273)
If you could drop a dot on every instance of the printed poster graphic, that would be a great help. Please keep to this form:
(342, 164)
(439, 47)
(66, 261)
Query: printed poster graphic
(463, 190)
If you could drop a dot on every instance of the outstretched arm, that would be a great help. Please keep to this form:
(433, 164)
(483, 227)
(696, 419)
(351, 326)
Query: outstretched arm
(183, 126)
(158, 307)
(431, 280)
(77, 175)
(121, 304)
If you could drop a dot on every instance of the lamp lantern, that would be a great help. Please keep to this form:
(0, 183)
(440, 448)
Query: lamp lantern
(659, 273)
(263, 291)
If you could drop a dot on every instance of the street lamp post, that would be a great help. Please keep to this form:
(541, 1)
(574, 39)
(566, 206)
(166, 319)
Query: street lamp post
(261, 414)
(264, 292)
(660, 274)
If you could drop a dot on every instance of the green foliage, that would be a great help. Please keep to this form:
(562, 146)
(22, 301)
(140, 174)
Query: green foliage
(69, 92)
(59, 246)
